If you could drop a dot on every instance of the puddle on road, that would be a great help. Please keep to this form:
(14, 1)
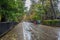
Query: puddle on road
(26, 30)
(30, 32)
(59, 35)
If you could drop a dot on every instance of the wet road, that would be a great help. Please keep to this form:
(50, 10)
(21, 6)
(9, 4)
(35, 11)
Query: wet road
(29, 31)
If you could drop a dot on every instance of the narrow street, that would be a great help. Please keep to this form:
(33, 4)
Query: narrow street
(29, 31)
(33, 17)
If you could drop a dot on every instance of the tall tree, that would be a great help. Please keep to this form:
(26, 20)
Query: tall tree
(12, 10)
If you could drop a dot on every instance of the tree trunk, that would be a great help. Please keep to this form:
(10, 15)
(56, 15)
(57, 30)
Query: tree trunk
(44, 10)
(52, 10)
(3, 18)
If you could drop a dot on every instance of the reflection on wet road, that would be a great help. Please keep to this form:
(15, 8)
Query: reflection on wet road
(26, 30)
(40, 32)
(29, 31)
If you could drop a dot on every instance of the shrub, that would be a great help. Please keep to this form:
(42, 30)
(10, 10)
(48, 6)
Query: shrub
(51, 22)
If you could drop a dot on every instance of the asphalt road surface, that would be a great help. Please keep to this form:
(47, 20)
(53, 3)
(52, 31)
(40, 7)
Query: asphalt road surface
(29, 31)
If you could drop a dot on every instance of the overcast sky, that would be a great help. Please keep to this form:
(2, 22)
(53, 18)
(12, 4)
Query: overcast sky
(59, 5)
(28, 4)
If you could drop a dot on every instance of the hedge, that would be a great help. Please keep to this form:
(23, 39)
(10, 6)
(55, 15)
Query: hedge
(51, 22)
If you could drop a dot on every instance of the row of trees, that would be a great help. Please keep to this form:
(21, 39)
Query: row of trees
(45, 9)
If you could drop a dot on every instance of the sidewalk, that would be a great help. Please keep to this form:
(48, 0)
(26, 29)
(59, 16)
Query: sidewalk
(15, 34)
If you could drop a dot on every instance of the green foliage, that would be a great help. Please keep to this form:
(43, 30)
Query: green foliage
(11, 9)
(39, 12)
(45, 9)
(51, 22)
